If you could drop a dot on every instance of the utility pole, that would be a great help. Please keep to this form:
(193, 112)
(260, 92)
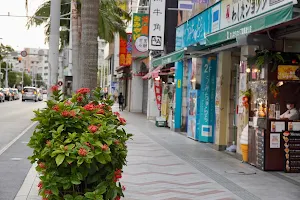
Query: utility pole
(54, 41)
(6, 75)
(0, 74)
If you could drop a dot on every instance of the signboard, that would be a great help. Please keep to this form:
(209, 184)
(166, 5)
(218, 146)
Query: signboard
(185, 5)
(23, 53)
(157, 25)
(255, 24)
(179, 44)
(207, 102)
(215, 17)
(234, 12)
(291, 151)
(140, 35)
(288, 72)
(125, 51)
(200, 1)
(158, 93)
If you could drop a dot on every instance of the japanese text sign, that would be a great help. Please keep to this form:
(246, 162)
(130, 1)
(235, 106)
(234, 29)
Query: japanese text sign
(234, 12)
(125, 50)
(158, 93)
(157, 25)
(140, 29)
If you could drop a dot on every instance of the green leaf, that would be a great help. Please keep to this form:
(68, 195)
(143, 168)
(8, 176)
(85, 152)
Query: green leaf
(54, 190)
(68, 197)
(79, 176)
(60, 128)
(107, 157)
(98, 144)
(68, 140)
(101, 188)
(100, 158)
(60, 159)
(108, 142)
(74, 180)
(89, 195)
(79, 198)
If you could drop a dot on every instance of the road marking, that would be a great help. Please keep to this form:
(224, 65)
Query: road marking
(16, 138)
(16, 159)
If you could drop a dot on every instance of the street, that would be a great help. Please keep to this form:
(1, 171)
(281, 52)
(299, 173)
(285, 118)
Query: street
(15, 119)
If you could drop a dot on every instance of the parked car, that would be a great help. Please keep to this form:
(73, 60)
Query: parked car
(30, 93)
(8, 94)
(15, 93)
(40, 94)
(2, 96)
(44, 91)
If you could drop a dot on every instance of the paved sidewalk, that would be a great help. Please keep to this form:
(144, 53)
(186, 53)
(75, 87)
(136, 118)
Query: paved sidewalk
(163, 165)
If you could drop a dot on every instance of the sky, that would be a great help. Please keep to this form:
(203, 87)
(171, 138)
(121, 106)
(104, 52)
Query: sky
(13, 30)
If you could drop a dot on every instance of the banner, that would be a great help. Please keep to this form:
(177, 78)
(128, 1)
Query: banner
(125, 51)
(157, 25)
(140, 29)
(158, 93)
(288, 73)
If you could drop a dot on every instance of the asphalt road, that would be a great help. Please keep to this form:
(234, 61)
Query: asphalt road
(15, 117)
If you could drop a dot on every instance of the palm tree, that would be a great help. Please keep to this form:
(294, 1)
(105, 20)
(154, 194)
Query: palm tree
(110, 20)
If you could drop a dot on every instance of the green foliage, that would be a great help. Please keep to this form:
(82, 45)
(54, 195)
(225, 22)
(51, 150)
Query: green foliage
(4, 50)
(12, 79)
(80, 148)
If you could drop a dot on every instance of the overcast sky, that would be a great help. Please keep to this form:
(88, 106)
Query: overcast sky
(13, 30)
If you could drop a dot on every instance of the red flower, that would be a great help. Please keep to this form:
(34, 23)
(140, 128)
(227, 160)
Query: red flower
(93, 128)
(66, 148)
(117, 114)
(101, 112)
(104, 147)
(56, 108)
(42, 165)
(67, 103)
(89, 107)
(54, 88)
(83, 91)
(45, 198)
(40, 185)
(82, 152)
(72, 113)
(48, 192)
(48, 143)
(122, 121)
(123, 188)
(87, 144)
(117, 142)
(118, 175)
(79, 98)
(65, 113)
(117, 198)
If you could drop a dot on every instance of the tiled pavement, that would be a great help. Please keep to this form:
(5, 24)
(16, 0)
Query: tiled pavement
(163, 165)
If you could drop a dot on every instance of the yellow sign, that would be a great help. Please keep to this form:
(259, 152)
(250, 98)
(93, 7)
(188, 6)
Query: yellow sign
(288, 72)
(179, 83)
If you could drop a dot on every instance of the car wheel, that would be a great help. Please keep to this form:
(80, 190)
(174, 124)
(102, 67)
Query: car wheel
(36, 100)
(23, 99)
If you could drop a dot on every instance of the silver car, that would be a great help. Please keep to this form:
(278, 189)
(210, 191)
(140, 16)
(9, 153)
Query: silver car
(30, 93)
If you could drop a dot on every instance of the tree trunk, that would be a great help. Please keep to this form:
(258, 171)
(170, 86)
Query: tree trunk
(75, 45)
(89, 43)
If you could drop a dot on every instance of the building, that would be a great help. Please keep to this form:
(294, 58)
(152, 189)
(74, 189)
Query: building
(101, 63)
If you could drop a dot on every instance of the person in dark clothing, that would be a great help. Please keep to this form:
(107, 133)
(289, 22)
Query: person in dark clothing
(121, 101)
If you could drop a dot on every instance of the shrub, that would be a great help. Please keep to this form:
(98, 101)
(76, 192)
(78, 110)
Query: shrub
(79, 146)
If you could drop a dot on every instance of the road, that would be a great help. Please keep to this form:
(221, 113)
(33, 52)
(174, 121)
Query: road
(15, 117)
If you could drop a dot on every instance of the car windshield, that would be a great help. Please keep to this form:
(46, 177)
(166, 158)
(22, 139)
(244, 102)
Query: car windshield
(29, 90)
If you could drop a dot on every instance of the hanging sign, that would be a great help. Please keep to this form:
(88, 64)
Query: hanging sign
(157, 25)
(140, 35)
(125, 51)
(158, 93)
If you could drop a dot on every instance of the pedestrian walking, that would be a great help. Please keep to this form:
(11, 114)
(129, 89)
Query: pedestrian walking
(121, 101)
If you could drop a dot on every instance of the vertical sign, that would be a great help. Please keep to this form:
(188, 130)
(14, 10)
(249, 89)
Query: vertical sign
(140, 34)
(215, 17)
(125, 51)
(157, 25)
(158, 93)
(207, 103)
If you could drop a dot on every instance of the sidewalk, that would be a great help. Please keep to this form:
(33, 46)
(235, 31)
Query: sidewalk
(163, 165)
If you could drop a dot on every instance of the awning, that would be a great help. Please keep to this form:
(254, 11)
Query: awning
(149, 75)
(169, 58)
(264, 21)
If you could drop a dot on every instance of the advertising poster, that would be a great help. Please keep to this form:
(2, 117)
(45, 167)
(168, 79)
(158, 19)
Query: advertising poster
(140, 29)
(125, 51)
(207, 100)
(274, 140)
(288, 72)
(158, 93)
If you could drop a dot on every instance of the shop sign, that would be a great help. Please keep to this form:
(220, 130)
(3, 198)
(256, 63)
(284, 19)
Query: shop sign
(125, 51)
(185, 5)
(259, 23)
(157, 25)
(140, 35)
(207, 98)
(179, 44)
(158, 93)
(215, 17)
(200, 1)
(288, 72)
(169, 58)
(237, 11)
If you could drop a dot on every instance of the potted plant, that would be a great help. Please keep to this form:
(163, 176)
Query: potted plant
(79, 147)
(246, 97)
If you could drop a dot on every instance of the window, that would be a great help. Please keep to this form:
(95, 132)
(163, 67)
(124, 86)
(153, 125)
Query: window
(32, 62)
(45, 68)
(45, 74)
(46, 61)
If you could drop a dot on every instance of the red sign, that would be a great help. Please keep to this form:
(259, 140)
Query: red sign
(125, 51)
(158, 93)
